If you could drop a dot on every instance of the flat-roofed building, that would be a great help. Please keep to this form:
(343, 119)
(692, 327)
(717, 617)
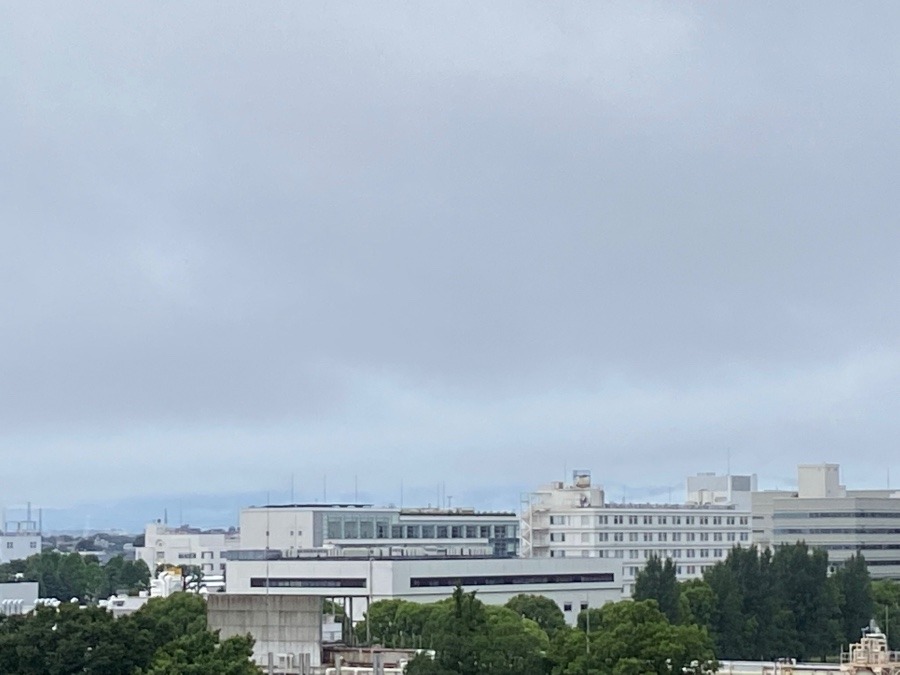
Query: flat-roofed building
(293, 528)
(574, 520)
(182, 546)
(573, 584)
(826, 515)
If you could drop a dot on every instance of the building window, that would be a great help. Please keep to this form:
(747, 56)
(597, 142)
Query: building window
(9, 544)
(617, 520)
(456, 532)
(662, 536)
(618, 536)
(557, 536)
(676, 536)
(648, 536)
(704, 536)
(567, 606)
(729, 520)
(602, 520)
(428, 532)
(632, 520)
(33, 544)
(689, 520)
(689, 536)
(676, 520)
(471, 532)
(717, 536)
(603, 536)
(648, 520)
(744, 536)
(557, 554)
(717, 520)
(584, 605)
(662, 520)
(483, 533)
(743, 520)
(676, 553)
(187, 556)
(704, 520)
(442, 532)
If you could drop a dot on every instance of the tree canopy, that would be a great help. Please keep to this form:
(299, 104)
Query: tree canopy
(165, 636)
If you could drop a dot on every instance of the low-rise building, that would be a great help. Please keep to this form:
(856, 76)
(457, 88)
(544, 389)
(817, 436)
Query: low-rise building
(293, 528)
(182, 546)
(573, 584)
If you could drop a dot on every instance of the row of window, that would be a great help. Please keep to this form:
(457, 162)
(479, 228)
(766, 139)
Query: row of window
(354, 530)
(836, 514)
(586, 537)
(585, 521)
(636, 554)
(679, 569)
(837, 530)
(31, 544)
(510, 580)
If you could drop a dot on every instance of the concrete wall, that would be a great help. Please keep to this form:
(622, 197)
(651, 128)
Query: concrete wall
(280, 624)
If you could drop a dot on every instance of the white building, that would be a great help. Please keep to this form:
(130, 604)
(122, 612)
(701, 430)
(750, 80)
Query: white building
(182, 546)
(709, 488)
(573, 584)
(826, 515)
(19, 539)
(293, 528)
(575, 521)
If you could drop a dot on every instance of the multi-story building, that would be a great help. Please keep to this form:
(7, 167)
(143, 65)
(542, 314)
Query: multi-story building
(565, 521)
(183, 545)
(293, 528)
(19, 539)
(826, 515)
(709, 488)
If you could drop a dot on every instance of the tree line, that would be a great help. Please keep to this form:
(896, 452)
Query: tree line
(764, 604)
(71, 575)
(529, 636)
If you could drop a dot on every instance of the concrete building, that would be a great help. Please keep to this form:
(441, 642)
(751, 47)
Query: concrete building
(293, 528)
(566, 521)
(165, 545)
(826, 515)
(358, 581)
(287, 628)
(19, 539)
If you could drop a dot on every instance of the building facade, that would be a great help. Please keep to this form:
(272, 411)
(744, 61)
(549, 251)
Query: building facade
(182, 546)
(825, 515)
(574, 584)
(294, 528)
(574, 521)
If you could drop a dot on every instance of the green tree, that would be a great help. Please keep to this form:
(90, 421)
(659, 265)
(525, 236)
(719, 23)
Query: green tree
(886, 597)
(696, 602)
(857, 606)
(631, 638)
(201, 653)
(656, 581)
(542, 610)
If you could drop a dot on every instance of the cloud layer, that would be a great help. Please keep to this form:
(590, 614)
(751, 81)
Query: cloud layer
(467, 243)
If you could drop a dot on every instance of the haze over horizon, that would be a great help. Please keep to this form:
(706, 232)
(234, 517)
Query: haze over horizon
(475, 243)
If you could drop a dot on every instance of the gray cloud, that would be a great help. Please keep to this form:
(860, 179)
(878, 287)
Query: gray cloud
(476, 241)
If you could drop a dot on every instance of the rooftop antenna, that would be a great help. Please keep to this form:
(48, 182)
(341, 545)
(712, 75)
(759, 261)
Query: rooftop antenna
(165, 516)
(449, 501)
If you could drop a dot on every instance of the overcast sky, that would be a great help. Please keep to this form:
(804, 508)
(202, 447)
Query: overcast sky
(476, 243)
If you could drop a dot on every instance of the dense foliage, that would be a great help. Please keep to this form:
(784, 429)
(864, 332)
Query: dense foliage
(165, 636)
(529, 637)
(761, 605)
(71, 575)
